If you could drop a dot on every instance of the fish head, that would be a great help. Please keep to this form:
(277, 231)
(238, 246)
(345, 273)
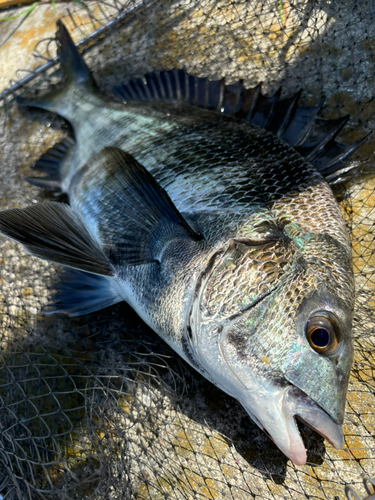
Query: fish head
(275, 333)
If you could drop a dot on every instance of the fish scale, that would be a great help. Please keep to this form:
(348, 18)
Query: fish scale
(248, 276)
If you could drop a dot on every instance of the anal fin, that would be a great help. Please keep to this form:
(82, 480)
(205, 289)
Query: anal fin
(52, 164)
(82, 293)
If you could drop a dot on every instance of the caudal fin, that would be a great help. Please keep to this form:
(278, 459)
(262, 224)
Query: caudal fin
(78, 79)
(70, 58)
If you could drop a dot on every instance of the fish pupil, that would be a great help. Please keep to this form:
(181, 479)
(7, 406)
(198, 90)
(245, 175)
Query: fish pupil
(320, 337)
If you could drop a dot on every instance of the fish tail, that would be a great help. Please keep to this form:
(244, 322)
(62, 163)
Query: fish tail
(78, 82)
(70, 58)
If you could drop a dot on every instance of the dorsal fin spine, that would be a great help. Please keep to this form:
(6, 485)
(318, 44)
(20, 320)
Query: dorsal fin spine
(178, 86)
(335, 129)
(289, 114)
(299, 127)
(238, 97)
(206, 93)
(310, 123)
(221, 95)
(257, 91)
(147, 89)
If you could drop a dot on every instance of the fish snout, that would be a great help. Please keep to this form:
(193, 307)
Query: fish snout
(297, 404)
(277, 416)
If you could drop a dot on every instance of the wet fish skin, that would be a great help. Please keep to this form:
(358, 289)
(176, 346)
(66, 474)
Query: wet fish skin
(227, 250)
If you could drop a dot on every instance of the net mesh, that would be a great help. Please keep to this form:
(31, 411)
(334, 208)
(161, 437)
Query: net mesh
(99, 407)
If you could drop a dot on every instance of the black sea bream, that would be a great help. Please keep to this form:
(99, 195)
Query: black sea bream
(188, 202)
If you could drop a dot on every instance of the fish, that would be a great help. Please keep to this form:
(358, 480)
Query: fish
(207, 207)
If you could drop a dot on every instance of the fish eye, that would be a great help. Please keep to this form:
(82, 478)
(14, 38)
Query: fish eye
(322, 333)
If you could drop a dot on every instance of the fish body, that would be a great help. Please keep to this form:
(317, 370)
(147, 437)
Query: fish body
(222, 237)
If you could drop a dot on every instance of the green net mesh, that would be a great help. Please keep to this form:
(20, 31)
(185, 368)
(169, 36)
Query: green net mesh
(99, 407)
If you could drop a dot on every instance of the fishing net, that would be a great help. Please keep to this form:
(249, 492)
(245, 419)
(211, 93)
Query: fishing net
(98, 406)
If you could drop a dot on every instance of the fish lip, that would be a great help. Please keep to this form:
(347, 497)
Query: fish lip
(275, 407)
(298, 405)
(276, 410)
(321, 433)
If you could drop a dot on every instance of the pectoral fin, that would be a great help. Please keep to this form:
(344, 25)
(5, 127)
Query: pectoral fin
(137, 218)
(53, 231)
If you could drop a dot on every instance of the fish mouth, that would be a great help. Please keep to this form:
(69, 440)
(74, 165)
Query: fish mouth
(279, 422)
(297, 404)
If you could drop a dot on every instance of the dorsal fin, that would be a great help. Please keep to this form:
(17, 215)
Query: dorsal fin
(299, 127)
